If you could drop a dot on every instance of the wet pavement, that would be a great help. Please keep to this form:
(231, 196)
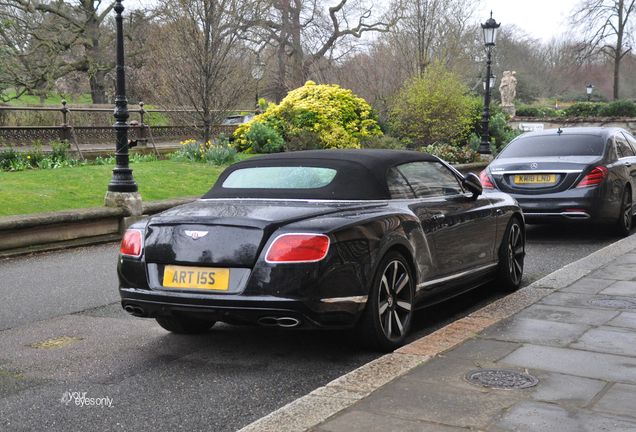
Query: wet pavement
(572, 334)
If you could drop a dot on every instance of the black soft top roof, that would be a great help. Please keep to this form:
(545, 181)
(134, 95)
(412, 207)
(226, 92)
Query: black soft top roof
(361, 174)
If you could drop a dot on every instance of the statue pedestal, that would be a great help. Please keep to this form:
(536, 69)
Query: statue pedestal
(510, 110)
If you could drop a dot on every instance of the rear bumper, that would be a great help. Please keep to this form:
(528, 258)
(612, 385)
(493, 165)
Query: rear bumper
(266, 311)
(569, 206)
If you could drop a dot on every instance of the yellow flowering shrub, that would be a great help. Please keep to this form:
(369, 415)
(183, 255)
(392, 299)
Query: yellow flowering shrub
(327, 114)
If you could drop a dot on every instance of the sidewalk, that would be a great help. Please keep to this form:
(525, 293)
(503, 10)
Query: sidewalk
(570, 338)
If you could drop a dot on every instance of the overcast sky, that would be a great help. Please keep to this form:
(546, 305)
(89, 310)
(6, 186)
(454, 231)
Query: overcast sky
(541, 18)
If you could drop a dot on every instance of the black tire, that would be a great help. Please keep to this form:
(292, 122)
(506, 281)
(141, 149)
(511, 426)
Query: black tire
(185, 325)
(624, 222)
(387, 317)
(511, 256)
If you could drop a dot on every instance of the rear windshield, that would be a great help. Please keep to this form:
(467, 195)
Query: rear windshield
(554, 145)
(285, 177)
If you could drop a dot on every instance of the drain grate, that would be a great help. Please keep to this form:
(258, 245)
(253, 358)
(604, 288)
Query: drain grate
(613, 303)
(501, 379)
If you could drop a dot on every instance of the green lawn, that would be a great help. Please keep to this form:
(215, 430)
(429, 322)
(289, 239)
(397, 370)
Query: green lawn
(53, 99)
(69, 188)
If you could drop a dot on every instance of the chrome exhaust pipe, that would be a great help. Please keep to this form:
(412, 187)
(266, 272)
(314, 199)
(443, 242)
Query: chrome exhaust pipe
(576, 215)
(135, 310)
(287, 322)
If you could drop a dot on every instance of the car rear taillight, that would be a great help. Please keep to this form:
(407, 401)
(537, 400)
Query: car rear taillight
(485, 180)
(132, 243)
(594, 178)
(298, 248)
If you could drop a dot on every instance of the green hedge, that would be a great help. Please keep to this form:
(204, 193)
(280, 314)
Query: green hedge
(618, 108)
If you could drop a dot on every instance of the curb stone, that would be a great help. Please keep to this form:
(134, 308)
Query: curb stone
(344, 392)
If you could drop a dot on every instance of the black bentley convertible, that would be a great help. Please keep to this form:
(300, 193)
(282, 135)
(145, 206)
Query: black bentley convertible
(322, 239)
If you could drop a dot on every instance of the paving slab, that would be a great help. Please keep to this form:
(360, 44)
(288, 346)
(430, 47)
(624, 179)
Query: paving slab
(616, 272)
(627, 258)
(535, 331)
(572, 315)
(450, 372)
(574, 362)
(609, 340)
(540, 417)
(482, 351)
(565, 389)
(620, 400)
(582, 300)
(363, 421)
(438, 403)
(624, 319)
(621, 288)
(588, 285)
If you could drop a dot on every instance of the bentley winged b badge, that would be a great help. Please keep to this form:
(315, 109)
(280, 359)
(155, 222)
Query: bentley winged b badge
(196, 234)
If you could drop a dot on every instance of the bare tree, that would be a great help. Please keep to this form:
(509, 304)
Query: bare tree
(199, 59)
(606, 27)
(375, 74)
(48, 40)
(435, 30)
(302, 35)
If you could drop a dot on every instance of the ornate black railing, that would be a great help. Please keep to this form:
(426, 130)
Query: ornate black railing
(67, 130)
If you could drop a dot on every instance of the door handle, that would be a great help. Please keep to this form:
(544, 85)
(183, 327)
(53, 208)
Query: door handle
(438, 216)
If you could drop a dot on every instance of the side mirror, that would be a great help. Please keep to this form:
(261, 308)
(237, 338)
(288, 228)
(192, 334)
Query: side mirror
(473, 184)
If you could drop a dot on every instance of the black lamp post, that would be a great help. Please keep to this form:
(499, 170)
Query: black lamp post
(491, 84)
(589, 89)
(122, 180)
(258, 69)
(490, 36)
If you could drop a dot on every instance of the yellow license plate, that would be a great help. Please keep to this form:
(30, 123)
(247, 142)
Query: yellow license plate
(535, 178)
(196, 277)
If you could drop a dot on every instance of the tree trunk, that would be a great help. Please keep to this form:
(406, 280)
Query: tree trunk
(618, 52)
(617, 63)
(98, 92)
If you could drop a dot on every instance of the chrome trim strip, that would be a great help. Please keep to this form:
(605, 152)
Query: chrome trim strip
(448, 278)
(355, 299)
(569, 215)
(541, 171)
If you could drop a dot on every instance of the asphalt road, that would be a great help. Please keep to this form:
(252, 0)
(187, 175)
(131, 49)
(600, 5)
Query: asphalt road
(155, 380)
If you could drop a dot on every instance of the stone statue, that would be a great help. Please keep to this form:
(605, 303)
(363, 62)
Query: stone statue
(508, 88)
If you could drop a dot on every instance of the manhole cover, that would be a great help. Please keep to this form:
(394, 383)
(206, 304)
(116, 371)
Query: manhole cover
(501, 379)
(613, 303)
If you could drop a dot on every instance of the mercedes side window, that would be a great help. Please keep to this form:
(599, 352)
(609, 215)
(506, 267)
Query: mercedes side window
(622, 147)
(398, 186)
(630, 140)
(430, 179)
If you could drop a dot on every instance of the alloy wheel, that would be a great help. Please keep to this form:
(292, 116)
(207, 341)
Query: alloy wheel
(395, 301)
(627, 211)
(516, 253)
